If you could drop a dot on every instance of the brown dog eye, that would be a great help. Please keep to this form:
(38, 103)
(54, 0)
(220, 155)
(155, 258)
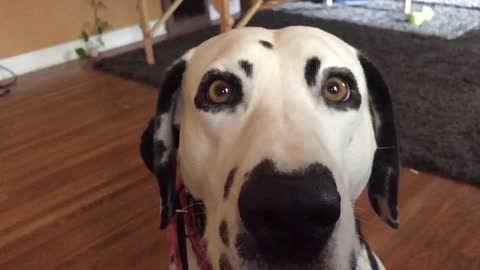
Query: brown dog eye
(336, 89)
(220, 92)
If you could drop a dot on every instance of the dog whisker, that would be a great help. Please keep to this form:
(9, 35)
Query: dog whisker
(385, 147)
(361, 237)
(362, 221)
(185, 209)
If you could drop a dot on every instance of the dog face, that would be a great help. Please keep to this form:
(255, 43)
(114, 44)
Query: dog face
(277, 132)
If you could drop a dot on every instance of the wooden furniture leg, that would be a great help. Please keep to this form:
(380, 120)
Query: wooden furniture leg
(147, 37)
(249, 14)
(166, 15)
(149, 32)
(225, 16)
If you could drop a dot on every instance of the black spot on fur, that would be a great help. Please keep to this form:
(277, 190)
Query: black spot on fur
(167, 187)
(224, 263)
(266, 44)
(146, 145)
(159, 148)
(358, 226)
(353, 261)
(246, 246)
(171, 84)
(198, 210)
(371, 257)
(224, 233)
(311, 71)
(247, 67)
(228, 183)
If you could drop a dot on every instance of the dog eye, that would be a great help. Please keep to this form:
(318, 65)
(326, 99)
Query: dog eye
(220, 92)
(336, 89)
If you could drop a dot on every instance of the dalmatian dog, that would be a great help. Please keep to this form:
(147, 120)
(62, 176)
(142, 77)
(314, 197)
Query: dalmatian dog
(272, 135)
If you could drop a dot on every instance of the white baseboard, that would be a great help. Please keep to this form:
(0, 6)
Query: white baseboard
(58, 54)
(234, 9)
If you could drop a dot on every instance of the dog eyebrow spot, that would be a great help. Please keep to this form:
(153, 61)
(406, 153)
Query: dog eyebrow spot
(228, 183)
(353, 261)
(246, 246)
(311, 71)
(266, 44)
(247, 67)
(224, 233)
(224, 263)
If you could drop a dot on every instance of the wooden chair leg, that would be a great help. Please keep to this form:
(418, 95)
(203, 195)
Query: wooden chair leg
(166, 15)
(147, 37)
(225, 16)
(249, 14)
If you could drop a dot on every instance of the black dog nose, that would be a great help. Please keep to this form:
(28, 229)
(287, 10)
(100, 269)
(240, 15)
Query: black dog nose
(290, 216)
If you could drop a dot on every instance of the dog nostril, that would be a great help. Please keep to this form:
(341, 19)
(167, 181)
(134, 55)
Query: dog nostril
(270, 219)
(316, 219)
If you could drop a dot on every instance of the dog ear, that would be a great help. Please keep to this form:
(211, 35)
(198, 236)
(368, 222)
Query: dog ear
(160, 140)
(383, 182)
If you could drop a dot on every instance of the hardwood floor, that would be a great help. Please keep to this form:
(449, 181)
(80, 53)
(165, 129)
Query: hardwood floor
(74, 193)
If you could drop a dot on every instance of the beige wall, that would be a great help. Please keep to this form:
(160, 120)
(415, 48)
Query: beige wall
(27, 25)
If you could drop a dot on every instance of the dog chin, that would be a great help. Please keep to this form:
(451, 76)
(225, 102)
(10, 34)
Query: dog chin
(262, 265)
(252, 259)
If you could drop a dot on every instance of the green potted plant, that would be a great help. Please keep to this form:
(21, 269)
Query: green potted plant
(92, 46)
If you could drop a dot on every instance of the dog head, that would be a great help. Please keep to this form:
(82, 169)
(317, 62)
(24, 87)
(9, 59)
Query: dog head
(277, 132)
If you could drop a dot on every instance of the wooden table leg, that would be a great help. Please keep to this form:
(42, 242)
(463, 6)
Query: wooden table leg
(166, 15)
(225, 16)
(147, 35)
(249, 14)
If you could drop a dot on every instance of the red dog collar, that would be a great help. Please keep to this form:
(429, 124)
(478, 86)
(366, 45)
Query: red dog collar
(186, 225)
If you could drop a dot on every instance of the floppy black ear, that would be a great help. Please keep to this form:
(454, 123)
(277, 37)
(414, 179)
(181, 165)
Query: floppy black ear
(383, 182)
(160, 141)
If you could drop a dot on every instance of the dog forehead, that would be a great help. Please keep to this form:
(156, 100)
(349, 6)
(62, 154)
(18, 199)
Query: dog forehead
(294, 43)
(270, 55)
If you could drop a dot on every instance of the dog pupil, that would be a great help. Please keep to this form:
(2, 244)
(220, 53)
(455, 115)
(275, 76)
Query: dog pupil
(334, 89)
(223, 90)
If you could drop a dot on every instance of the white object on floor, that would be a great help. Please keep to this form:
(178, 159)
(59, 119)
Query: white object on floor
(407, 6)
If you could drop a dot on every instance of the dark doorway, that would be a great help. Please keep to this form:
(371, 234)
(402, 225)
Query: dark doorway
(191, 14)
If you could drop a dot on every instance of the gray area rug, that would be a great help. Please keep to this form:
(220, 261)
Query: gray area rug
(453, 18)
(435, 86)
(458, 3)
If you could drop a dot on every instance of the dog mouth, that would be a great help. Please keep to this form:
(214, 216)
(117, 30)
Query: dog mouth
(294, 255)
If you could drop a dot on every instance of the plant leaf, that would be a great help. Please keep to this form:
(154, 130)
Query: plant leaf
(100, 4)
(81, 53)
(85, 36)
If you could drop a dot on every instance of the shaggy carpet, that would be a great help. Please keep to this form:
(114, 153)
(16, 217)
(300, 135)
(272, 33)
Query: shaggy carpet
(435, 85)
(452, 18)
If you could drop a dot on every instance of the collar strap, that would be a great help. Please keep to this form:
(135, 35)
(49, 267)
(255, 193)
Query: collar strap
(185, 225)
